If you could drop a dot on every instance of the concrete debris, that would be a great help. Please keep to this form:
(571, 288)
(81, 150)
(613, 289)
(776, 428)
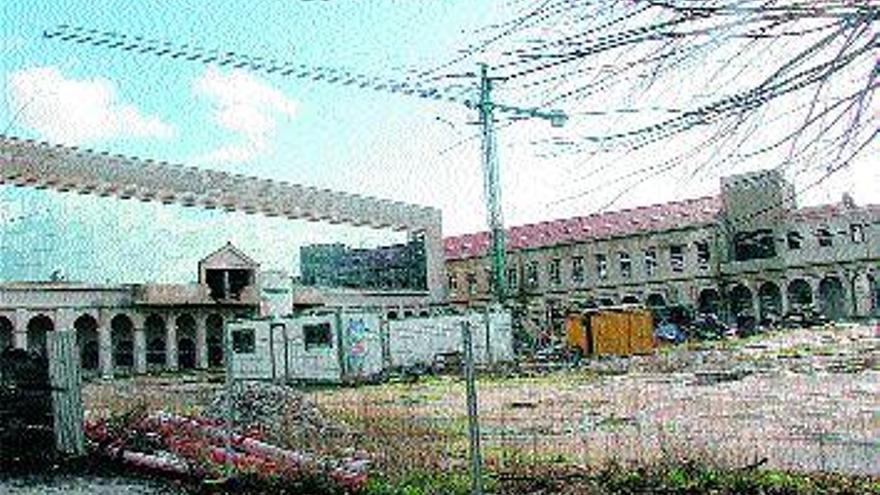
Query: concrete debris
(275, 410)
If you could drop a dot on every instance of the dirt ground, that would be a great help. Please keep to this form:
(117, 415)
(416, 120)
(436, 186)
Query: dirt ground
(804, 399)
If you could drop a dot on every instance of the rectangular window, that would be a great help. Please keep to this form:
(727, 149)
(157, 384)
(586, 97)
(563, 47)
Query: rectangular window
(512, 282)
(601, 266)
(243, 341)
(318, 335)
(794, 240)
(756, 244)
(625, 264)
(676, 257)
(556, 271)
(650, 262)
(577, 269)
(532, 273)
(703, 255)
(490, 280)
(471, 283)
(857, 233)
(824, 237)
(453, 282)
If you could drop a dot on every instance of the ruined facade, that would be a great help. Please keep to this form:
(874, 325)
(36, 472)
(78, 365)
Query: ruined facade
(749, 251)
(136, 328)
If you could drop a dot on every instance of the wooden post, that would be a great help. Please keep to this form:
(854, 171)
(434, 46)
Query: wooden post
(67, 407)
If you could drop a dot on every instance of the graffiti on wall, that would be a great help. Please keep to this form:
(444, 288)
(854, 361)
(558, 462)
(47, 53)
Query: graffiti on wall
(356, 334)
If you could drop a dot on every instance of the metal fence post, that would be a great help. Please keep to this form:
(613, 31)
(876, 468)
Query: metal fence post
(473, 421)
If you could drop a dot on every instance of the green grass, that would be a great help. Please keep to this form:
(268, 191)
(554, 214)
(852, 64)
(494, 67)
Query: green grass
(424, 483)
(696, 478)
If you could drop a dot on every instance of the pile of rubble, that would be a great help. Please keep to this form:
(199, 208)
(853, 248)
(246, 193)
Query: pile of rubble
(200, 449)
(277, 434)
(276, 411)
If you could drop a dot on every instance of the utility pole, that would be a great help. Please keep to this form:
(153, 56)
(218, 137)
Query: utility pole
(492, 188)
(492, 179)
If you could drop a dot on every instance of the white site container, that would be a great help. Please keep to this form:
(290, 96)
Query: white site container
(415, 341)
(358, 344)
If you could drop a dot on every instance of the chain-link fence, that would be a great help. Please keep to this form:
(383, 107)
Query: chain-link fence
(822, 421)
(802, 400)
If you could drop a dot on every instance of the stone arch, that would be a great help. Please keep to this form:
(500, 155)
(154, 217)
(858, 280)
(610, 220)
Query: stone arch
(87, 341)
(37, 328)
(122, 341)
(155, 333)
(741, 300)
(214, 330)
(709, 301)
(770, 300)
(832, 298)
(629, 299)
(800, 295)
(186, 341)
(7, 333)
(655, 300)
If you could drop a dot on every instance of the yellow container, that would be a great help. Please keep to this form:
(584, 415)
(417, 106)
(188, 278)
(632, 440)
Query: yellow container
(622, 331)
(577, 333)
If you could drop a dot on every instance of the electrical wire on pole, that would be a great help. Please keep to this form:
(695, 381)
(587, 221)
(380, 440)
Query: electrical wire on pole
(485, 106)
(492, 176)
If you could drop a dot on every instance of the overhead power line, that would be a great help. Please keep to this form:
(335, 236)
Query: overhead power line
(485, 105)
(270, 66)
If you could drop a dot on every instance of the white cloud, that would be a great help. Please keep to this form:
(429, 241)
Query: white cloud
(73, 111)
(245, 105)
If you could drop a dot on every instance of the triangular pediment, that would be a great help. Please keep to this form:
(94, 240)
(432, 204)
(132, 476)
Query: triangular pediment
(228, 256)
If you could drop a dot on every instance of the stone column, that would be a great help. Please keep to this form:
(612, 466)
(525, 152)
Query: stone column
(201, 342)
(756, 299)
(435, 265)
(171, 343)
(813, 280)
(140, 344)
(862, 295)
(783, 296)
(19, 328)
(846, 280)
(105, 345)
(63, 319)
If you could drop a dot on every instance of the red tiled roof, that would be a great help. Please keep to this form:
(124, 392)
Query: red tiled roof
(659, 217)
(665, 216)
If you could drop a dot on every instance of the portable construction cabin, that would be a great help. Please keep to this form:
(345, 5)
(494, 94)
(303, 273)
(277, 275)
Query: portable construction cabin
(357, 344)
(321, 347)
(621, 331)
(418, 341)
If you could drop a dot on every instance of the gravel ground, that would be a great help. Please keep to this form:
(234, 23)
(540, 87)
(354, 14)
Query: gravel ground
(804, 399)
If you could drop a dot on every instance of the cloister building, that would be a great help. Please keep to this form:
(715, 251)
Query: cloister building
(136, 328)
(747, 251)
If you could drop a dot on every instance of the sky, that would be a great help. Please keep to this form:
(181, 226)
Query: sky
(301, 131)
